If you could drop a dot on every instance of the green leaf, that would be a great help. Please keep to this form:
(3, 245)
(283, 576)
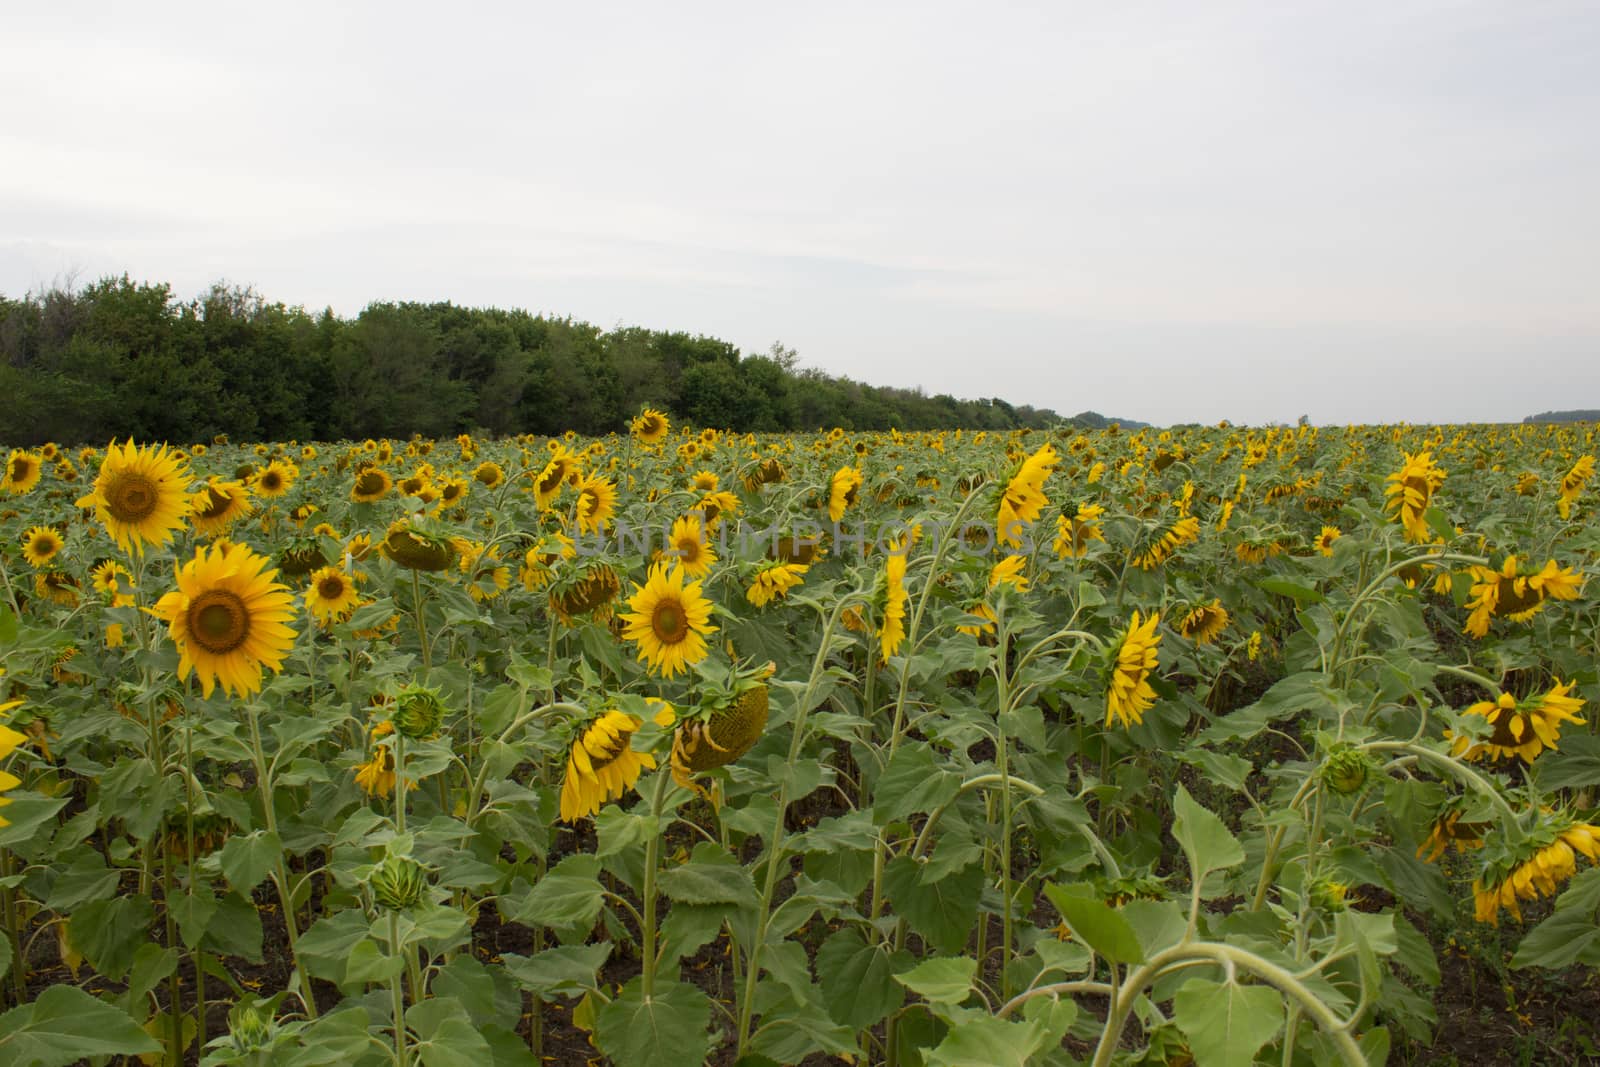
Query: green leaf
(943, 912)
(566, 971)
(620, 830)
(1231, 771)
(109, 932)
(367, 963)
(1095, 924)
(1569, 936)
(86, 878)
(65, 1025)
(1575, 765)
(711, 876)
(1281, 587)
(235, 929)
(1205, 840)
(941, 980)
(989, 1042)
(912, 784)
(249, 858)
(668, 1029)
(567, 899)
(489, 994)
(1226, 1023)
(448, 1039)
(326, 945)
(855, 977)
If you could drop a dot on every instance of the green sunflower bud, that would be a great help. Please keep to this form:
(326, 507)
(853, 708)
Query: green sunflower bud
(398, 883)
(418, 712)
(250, 1027)
(1346, 770)
(1328, 895)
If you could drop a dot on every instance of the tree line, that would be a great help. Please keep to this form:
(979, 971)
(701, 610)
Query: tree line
(119, 359)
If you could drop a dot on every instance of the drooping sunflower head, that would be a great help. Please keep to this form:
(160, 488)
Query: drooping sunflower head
(668, 620)
(705, 481)
(419, 549)
(650, 426)
(489, 474)
(1204, 623)
(218, 505)
(1534, 864)
(40, 545)
(730, 719)
(58, 587)
(892, 599)
(601, 765)
(140, 495)
(556, 473)
(1409, 492)
(1134, 658)
(843, 489)
(1022, 499)
(1519, 729)
(1515, 594)
(773, 581)
(587, 594)
(22, 472)
(228, 618)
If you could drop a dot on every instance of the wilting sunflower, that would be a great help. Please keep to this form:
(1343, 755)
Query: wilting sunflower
(669, 621)
(602, 765)
(58, 587)
(113, 582)
(139, 495)
(1511, 594)
(843, 489)
(1572, 484)
(892, 631)
(1204, 623)
(1160, 549)
(419, 549)
(1023, 498)
(218, 505)
(331, 596)
(650, 426)
(277, 479)
(489, 474)
(1448, 831)
(1325, 539)
(597, 503)
(376, 777)
(22, 472)
(773, 581)
(1409, 492)
(1074, 535)
(1007, 572)
(729, 721)
(688, 545)
(1537, 865)
(40, 545)
(228, 618)
(713, 506)
(590, 593)
(372, 484)
(1128, 690)
(1521, 728)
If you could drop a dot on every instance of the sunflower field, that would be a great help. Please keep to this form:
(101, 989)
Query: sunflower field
(1211, 745)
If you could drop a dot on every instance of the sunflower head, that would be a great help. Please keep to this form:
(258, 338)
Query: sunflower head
(302, 556)
(218, 505)
(1134, 658)
(1532, 864)
(21, 473)
(650, 426)
(730, 719)
(418, 712)
(398, 883)
(1204, 623)
(419, 549)
(40, 545)
(668, 620)
(372, 483)
(140, 495)
(331, 595)
(1346, 770)
(601, 764)
(228, 618)
(589, 593)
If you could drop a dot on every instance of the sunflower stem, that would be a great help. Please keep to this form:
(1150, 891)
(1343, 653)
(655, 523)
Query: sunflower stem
(397, 996)
(652, 856)
(422, 625)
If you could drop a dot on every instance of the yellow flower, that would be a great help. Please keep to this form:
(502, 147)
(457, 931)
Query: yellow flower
(1572, 484)
(228, 618)
(1510, 594)
(1252, 646)
(1448, 831)
(218, 505)
(22, 472)
(1128, 693)
(843, 489)
(1548, 858)
(688, 545)
(276, 480)
(1410, 490)
(597, 503)
(1007, 572)
(1205, 623)
(560, 470)
(331, 596)
(669, 621)
(893, 630)
(650, 426)
(139, 495)
(376, 777)
(489, 474)
(40, 545)
(372, 483)
(1520, 729)
(1023, 498)
(602, 765)
(112, 580)
(1074, 535)
(1174, 537)
(1326, 538)
(773, 581)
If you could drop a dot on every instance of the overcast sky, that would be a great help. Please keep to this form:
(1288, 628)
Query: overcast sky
(1171, 212)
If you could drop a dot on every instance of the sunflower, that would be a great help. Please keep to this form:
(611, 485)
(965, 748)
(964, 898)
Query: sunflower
(489, 474)
(668, 621)
(372, 484)
(688, 545)
(1544, 859)
(40, 545)
(1007, 572)
(487, 577)
(547, 486)
(705, 481)
(1410, 490)
(376, 777)
(1511, 594)
(1325, 539)
(1174, 537)
(58, 587)
(1023, 498)
(892, 632)
(602, 765)
(276, 480)
(650, 426)
(331, 596)
(418, 549)
(218, 505)
(1074, 535)
(589, 594)
(112, 581)
(22, 472)
(228, 618)
(1252, 646)
(843, 488)
(773, 581)
(139, 495)
(1572, 484)
(1522, 729)
(1448, 831)
(1128, 691)
(597, 503)
(1205, 623)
